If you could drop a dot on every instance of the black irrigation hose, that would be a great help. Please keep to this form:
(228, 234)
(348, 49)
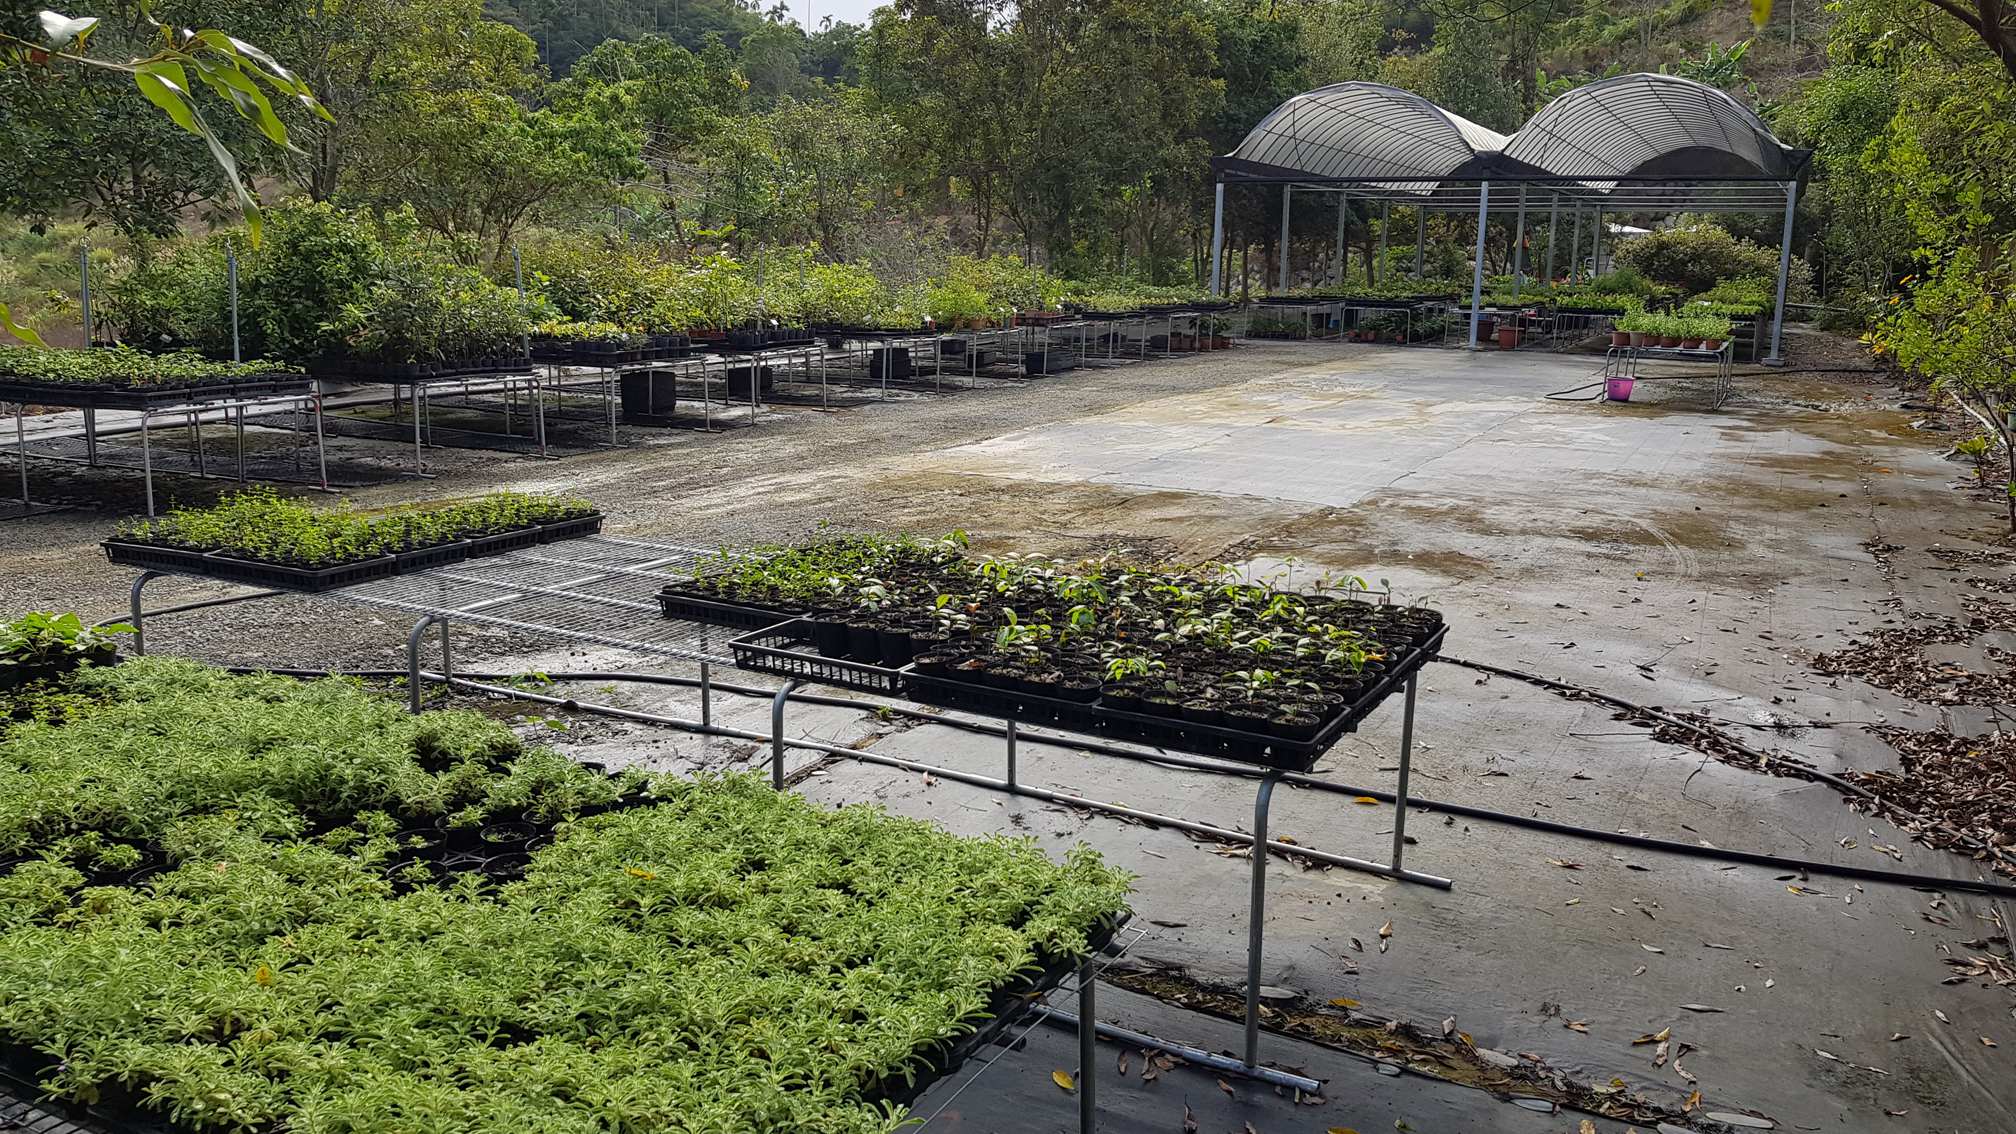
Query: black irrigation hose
(1764, 759)
(1482, 814)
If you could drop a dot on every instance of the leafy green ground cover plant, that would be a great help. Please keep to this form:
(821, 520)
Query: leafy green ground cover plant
(40, 645)
(262, 525)
(124, 368)
(727, 959)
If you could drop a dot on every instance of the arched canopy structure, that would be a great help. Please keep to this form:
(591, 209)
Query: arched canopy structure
(1631, 144)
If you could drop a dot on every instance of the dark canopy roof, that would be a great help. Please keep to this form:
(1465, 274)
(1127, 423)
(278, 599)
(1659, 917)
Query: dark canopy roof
(1635, 141)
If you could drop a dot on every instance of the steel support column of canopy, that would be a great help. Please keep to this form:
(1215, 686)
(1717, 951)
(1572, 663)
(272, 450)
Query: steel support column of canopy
(1385, 216)
(1217, 241)
(1343, 218)
(1575, 249)
(1519, 246)
(1420, 236)
(1553, 222)
(1784, 272)
(1596, 247)
(1287, 195)
(1477, 270)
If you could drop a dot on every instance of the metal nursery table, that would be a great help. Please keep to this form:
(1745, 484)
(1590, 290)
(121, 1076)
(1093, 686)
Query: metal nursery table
(603, 591)
(1622, 362)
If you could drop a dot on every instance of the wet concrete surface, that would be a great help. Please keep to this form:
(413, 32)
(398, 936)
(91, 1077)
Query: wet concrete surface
(1658, 552)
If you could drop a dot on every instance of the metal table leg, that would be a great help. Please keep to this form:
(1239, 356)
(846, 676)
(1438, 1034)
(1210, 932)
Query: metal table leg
(1088, 1050)
(413, 660)
(1406, 766)
(1010, 733)
(135, 615)
(1256, 929)
(706, 695)
(777, 704)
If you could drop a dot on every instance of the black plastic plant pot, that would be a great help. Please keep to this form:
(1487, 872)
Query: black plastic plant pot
(511, 832)
(829, 635)
(421, 842)
(217, 565)
(511, 864)
(889, 363)
(745, 340)
(894, 646)
(864, 643)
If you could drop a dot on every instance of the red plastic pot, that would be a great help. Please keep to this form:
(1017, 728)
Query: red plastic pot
(1508, 337)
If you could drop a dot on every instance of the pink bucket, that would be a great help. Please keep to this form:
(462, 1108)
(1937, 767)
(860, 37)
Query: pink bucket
(1618, 389)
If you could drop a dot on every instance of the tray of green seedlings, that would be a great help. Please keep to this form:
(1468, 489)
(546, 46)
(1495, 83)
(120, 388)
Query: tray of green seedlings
(1190, 658)
(710, 954)
(261, 538)
(120, 377)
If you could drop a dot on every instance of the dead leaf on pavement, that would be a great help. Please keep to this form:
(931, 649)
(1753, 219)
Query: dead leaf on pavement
(1941, 1015)
(1986, 1042)
(1693, 1100)
(1227, 1088)
(1577, 1026)
(1343, 1002)
(1364, 799)
(1660, 1036)
(1449, 1027)
(1063, 1080)
(1895, 1036)
(1659, 1054)
(1700, 1008)
(1189, 1120)
(1587, 1127)
(1565, 864)
(1651, 948)
(1123, 1064)
(1386, 930)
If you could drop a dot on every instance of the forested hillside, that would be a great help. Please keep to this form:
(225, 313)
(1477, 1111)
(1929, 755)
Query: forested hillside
(1075, 134)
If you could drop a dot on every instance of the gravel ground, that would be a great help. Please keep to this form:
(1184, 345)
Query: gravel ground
(796, 468)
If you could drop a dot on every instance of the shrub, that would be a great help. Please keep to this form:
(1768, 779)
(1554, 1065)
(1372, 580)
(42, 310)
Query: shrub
(1696, 257)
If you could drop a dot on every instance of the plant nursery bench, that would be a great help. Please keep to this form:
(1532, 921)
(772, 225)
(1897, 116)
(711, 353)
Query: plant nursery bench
(232, 401)
(607, 592)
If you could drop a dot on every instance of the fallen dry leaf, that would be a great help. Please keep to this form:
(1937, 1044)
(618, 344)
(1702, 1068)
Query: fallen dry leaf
(1827, 1055)
(1651, 948)
(1587, 1127)
(1986, 1042)
(1343, 1002)
(1941, 1015)
(1700, 1008)
(1340, 1130)
(1577, 1026)
(1123, 1065)
(1565, 864)
(1064, 1080)
(1659, 1036)
(1448, 1027)
(1227, 1088)
(1364, 799)
(1386, 930)
(1895, 1036)
(1693, 1100)
(1189, 1120)
(1659, 1054)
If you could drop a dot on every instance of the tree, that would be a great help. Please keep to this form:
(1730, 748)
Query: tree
(474, 164)
(81, 138)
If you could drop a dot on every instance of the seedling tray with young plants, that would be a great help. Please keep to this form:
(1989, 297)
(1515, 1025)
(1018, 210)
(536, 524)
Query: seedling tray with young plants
(1191, 658)
(123, 378)
(261, 538)
(711, 954)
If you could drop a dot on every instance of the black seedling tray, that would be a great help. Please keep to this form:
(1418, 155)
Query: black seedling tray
(216, 565)
(678, 604)
(232, 569)
(1235, 744)
(81, 395)
(771, 650)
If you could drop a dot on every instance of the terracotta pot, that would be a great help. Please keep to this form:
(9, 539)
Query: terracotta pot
(1690, 344)
(1711, 344)
(1637, 338)
(1668, 341)
(1620, 338)
(1508, 337)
